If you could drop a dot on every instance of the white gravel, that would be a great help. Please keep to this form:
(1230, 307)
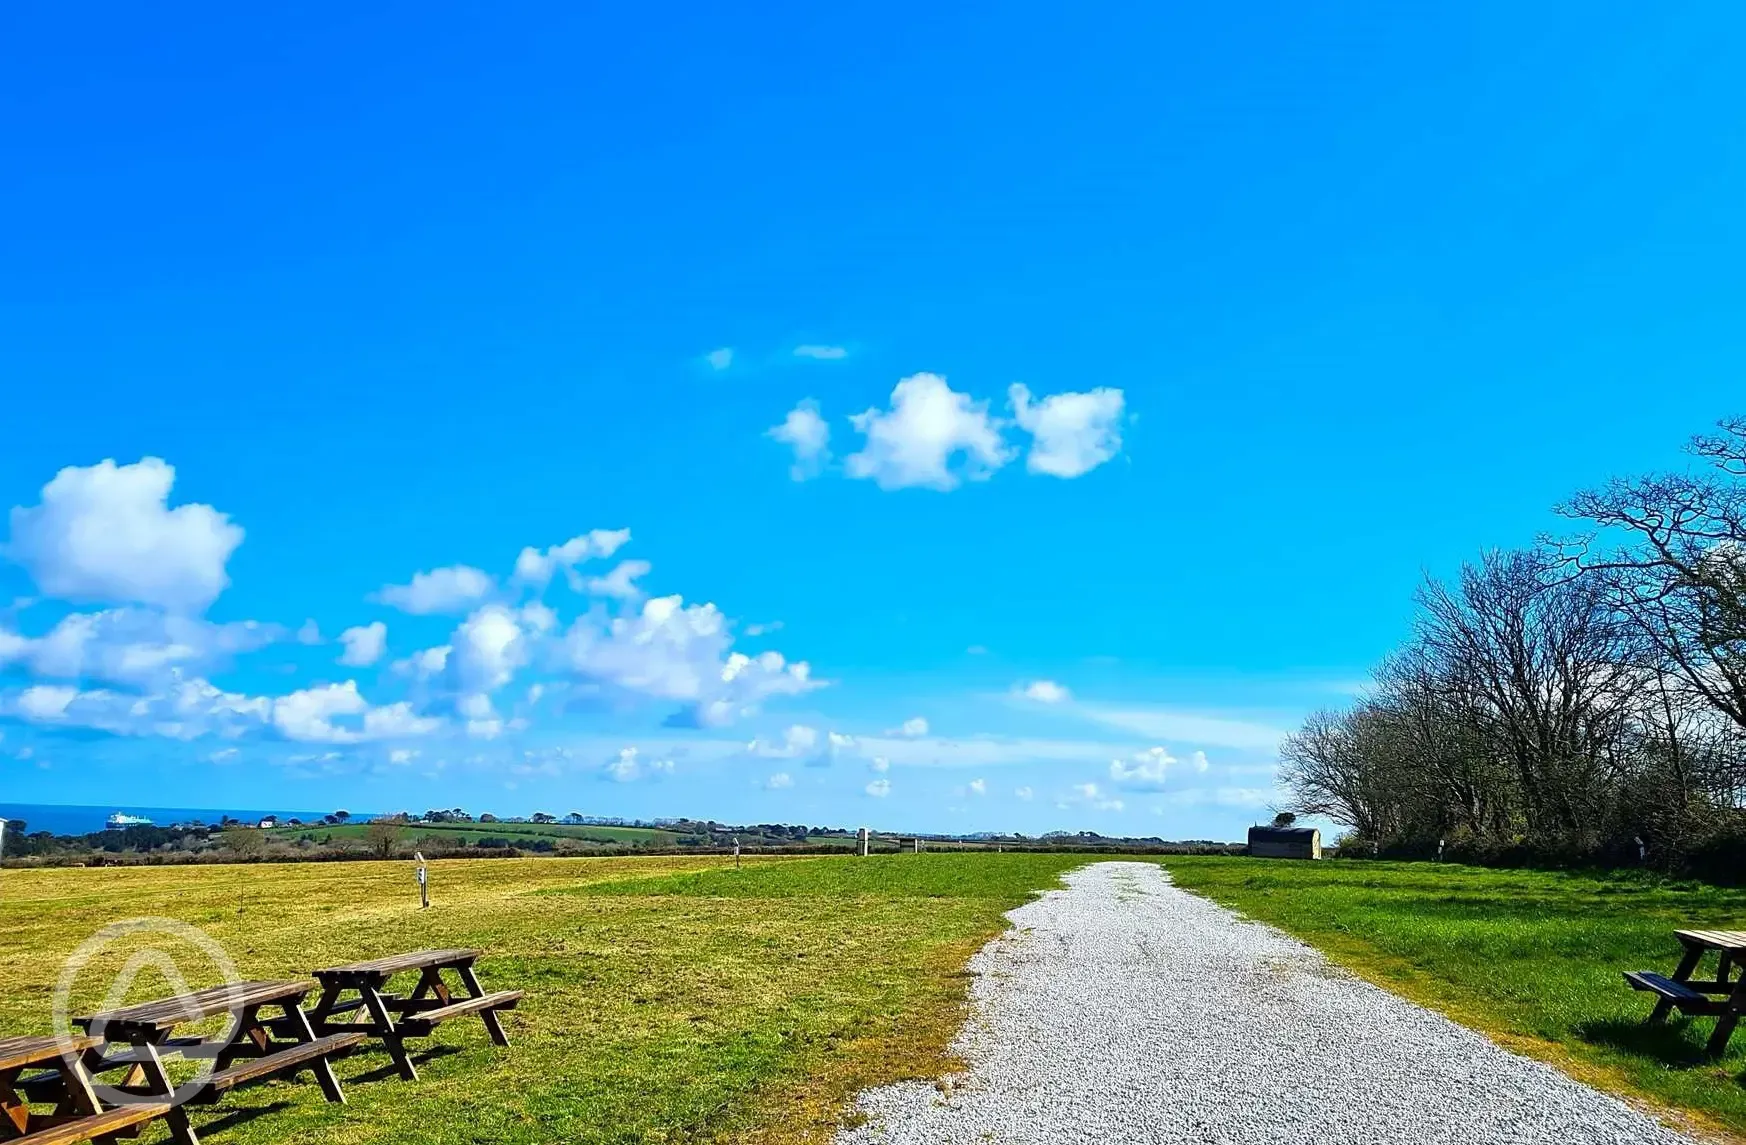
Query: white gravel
(1125, 1010)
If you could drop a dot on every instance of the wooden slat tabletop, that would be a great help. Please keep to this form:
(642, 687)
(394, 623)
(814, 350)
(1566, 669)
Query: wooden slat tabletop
(1733, 941)
(395, 963)
(167, 1012)
(15, 1052)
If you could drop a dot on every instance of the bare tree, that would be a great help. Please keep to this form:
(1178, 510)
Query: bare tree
(383, 836)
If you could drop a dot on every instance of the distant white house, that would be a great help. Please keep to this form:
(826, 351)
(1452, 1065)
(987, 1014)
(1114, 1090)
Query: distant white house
(268, 823)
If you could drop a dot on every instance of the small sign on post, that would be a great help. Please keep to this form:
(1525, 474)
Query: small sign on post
(423, 877)
(736, 852)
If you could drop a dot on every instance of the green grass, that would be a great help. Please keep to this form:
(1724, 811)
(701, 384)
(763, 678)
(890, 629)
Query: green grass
(668, 999)
(1532, 958)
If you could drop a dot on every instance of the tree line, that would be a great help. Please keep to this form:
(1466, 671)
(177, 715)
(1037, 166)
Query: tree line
(1579, 701)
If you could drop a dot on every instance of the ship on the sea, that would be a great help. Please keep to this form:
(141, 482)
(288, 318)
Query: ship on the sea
(118, 820)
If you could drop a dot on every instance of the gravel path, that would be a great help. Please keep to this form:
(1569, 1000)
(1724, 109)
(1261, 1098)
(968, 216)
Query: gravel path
(1125, 1010)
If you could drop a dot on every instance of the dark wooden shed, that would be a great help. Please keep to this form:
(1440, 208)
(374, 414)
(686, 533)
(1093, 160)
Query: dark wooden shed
(1285, 842)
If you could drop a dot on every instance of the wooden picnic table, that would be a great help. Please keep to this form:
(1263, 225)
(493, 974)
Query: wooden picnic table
(1723, 996)
(66, 1084)
(393, 1018)
(145, 1034)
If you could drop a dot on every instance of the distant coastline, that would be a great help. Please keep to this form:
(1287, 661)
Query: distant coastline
(82, 820)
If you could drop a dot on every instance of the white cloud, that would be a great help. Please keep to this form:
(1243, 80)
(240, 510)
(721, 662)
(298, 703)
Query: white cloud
(1072, 434)
(536, 567)
(488, 648)
(763, 629)
(310, 715)
(310, 633)
(913, 728)
(719, 359)
(671, 651)
(425, 664)
(1024, 793)
(779, 781)
(136, 647)
(1041, 691)
(365, 644)
(402, 755)
(978, 787)
(804, 431)
(797, 741)
(821, 353)
(629, 766)
(451, 589)
(1145, 772)
(222, 755)
(879, 763)
(620, 583)
(106, 533)
(879, 788)
(927, 427)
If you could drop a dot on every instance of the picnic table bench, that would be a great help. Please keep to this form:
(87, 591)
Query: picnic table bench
(66, 1084)
(392, 1017)
(1722, 997)
(145, 1032)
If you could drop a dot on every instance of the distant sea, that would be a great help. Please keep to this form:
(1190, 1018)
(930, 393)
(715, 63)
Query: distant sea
(83, 820)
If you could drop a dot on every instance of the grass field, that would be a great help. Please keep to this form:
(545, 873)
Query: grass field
(1531, 958)
(668, 999)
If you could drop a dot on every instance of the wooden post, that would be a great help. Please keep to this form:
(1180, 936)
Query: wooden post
(865, 841)
(736, 852)
(423, 877)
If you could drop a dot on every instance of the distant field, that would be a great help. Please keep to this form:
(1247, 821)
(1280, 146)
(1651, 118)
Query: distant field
(472, 832)
(669, 999)
(1531, 958)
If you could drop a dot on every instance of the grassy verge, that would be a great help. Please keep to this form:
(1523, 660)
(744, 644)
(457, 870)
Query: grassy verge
(1531, 958)
(669, 999)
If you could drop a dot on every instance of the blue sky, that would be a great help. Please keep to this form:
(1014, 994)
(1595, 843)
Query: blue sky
(1303, 303)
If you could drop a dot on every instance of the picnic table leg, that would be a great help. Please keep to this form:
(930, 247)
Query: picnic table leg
(1687, 963)
(158, 1079)
(248, 1027)
(493, 1024)
(14, 1110)
(385, 1026)
(324, 1007)
(430, 981)
(1727, 1020)
(301, 1031)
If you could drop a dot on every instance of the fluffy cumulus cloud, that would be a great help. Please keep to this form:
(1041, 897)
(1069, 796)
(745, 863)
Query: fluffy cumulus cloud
(931, 436)
(779, 781)
(1146, 771)
(804, 431)
(808, 744)
(879, 788)
(131, 647)
(536, 567)
(628, 766)
(452, 589)
(1071, 433)
(106, 533)
(978, 787)
(1041, 691)
(364, 644)
(338, 713)
(187, 709)
(621, 582)
(719, 359)
(670, 651)
(1024, 793)
(913, 728)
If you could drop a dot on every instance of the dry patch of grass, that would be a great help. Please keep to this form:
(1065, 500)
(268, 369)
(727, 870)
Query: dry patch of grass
(668, 999)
